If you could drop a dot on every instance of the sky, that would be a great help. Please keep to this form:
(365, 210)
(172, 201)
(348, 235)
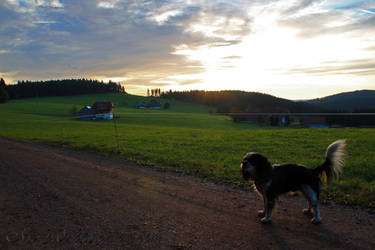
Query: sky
(291, 49)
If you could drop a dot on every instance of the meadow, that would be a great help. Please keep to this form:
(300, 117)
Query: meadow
(191, 139)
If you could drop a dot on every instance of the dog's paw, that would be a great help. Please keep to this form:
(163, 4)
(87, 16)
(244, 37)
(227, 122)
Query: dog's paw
(261, 213)
(307, 211)
(265, 220)
(315, 221)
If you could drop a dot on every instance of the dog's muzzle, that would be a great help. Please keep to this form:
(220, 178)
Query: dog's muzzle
(247, 170)
(245, 174)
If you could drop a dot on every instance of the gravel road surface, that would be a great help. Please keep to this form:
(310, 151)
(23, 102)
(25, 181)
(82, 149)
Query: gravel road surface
(57, 198)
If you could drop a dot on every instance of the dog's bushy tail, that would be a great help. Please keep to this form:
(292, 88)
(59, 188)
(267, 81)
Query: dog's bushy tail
(332, 167)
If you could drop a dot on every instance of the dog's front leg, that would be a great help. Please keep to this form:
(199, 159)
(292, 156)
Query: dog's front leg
(269, 203)
(262, 213)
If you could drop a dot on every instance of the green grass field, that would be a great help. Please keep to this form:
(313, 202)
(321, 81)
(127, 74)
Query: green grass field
(187, 139)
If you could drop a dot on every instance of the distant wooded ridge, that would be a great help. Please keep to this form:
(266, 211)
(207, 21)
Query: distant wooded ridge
(65, 87)
(360, 100)
(267, 109)
(227, 101)
(233, 101)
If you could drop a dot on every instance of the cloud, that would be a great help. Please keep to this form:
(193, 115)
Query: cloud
(112, 38)
(107, 4)
(232, 57)
(361, 67)
(29, 6)
(228, 22)
(299, 5)
(49, 4)
(151, 42)
(330, 17)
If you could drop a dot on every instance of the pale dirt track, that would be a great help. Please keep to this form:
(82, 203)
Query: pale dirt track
(56, 198)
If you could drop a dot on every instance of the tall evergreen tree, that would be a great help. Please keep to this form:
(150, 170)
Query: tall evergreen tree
(4, 96)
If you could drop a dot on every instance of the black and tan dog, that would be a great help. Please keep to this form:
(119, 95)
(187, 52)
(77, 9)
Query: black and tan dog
(271, 181)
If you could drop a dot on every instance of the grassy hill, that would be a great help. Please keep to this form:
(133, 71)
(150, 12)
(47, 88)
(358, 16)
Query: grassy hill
(119, 100)
(187, 139)
(179, 114)
(348, 101)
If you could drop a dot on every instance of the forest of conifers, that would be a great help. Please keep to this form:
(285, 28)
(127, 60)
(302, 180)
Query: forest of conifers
(66, 87)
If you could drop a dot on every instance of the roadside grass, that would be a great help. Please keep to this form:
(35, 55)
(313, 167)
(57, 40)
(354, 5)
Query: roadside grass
(187, 139)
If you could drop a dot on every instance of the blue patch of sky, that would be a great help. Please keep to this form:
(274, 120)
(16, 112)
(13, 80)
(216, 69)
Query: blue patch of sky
(22, 3)
(344, 4)
(33, 49)
(6, 14)
(63, 22)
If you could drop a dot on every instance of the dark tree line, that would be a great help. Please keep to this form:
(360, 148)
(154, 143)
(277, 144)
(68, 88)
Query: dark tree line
(4, 96)
(66, 87)
(233, 101)
(244, 107)
(357, 118)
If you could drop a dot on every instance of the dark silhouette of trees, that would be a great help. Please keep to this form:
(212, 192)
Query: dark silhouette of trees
(66, 87)
(4, 96)
(2, 83)
(266, 109)
(233, 101)
(357, 118)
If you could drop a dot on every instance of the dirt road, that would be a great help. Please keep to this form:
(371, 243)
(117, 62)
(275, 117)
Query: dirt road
(61, 199)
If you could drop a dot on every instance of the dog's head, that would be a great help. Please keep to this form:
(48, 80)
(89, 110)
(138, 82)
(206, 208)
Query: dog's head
(254, 165)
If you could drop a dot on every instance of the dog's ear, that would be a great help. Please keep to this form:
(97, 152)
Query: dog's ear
(260, 161)
(262, 165)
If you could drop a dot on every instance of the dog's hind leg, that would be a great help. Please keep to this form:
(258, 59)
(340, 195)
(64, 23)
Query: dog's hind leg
(261, 213)
(312, 198)
(308, 210)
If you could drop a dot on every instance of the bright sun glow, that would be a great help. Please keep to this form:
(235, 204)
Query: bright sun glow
(273, 55)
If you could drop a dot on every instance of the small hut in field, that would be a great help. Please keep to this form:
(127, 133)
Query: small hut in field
(98, 111)
(103, 110)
